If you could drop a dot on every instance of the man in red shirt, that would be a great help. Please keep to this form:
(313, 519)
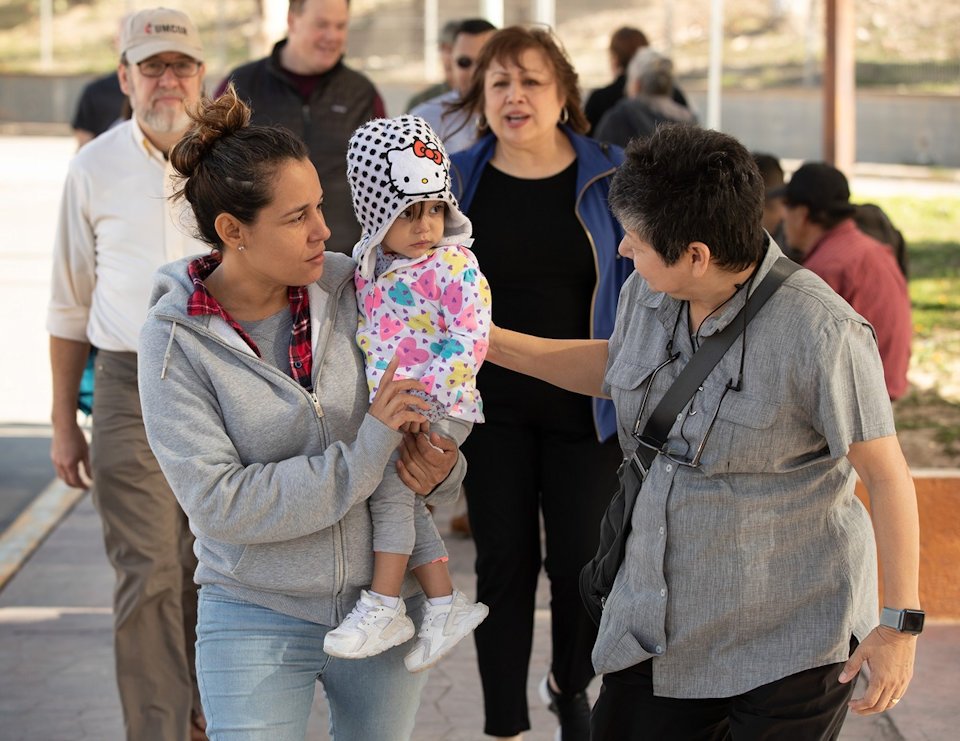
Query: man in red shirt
(818, 223)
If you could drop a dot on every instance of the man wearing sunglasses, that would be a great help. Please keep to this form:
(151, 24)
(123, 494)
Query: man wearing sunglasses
(116, 228)
(746, 602)
(456, 130)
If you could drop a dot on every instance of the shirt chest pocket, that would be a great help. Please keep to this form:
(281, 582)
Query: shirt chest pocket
(627, 381)
(745, 439)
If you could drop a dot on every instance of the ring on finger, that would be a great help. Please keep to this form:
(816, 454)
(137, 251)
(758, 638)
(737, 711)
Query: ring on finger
(894, 700)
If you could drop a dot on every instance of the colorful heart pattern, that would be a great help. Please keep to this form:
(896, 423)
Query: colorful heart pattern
(433, 314)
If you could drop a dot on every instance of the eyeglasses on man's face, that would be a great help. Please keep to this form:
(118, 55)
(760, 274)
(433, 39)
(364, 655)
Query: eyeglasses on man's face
(182, 68)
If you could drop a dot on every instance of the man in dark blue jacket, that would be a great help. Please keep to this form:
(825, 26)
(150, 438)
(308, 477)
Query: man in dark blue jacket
(305, 86)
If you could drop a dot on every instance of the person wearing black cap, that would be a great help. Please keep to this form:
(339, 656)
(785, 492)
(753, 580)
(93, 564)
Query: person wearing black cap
(818, 223)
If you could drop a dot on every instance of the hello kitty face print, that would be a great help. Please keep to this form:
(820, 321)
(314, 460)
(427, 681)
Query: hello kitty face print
(418, 169)
(393, 163)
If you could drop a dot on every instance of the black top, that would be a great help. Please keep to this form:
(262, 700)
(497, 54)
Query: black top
(100, 105)
(602, 100)
(536, 255)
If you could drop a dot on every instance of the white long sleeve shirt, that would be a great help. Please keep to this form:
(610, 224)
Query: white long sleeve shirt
(116, 228)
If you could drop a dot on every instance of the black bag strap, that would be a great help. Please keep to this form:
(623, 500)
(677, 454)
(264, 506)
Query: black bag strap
(706, 358)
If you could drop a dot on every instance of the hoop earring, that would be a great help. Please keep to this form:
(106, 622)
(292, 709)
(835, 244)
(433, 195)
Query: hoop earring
(564, 115)
(482, 124)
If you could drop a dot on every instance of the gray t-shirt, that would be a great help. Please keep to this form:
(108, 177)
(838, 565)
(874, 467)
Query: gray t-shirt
(272, 338)
(761, 562)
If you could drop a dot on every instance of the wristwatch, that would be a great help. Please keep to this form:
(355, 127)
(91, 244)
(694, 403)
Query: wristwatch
(904, 621)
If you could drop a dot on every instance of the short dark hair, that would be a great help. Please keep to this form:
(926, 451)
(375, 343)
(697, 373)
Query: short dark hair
(770, 170)
(685, 184)
(508, 45)
(474, 27)
(824, 190)
(624, 44)
(225, 165)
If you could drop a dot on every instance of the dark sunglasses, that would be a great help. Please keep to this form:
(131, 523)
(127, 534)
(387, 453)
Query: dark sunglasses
(465, 62)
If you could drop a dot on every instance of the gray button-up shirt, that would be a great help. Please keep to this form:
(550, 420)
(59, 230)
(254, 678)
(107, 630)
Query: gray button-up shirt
(761, 562)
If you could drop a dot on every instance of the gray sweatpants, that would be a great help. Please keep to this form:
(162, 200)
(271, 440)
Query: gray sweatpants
(401, 521)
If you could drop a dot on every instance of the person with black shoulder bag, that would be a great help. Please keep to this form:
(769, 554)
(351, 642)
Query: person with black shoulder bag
(736, 581)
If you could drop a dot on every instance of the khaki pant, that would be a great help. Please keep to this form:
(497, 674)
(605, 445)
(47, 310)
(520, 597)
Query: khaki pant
(151, 549)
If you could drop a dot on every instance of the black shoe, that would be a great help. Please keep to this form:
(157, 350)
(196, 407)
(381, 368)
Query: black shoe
(573, 711)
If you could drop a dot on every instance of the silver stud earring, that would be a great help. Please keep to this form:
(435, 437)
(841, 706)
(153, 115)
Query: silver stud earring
(240, 248)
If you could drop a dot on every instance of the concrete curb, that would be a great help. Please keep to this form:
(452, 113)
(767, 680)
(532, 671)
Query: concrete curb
(33, 525)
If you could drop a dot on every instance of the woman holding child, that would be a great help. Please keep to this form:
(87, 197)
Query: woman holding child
(257, 406)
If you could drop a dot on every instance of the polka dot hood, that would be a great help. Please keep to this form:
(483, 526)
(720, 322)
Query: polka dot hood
(393, 163)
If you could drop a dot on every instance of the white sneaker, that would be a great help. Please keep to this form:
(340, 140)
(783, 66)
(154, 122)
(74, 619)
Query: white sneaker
(443, 627)
(371, 628)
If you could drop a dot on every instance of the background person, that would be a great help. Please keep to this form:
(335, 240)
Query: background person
(102, 103)
(647, 104)
(115, 229)
(772, 174)
(445, 45)
(560, 277)
(305, 86)
(749, 575)
(624, 44)
(818, 223)
(458, 129)
(873, 221)
(249, 357)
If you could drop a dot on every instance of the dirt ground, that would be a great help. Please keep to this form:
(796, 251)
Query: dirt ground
(928, 427)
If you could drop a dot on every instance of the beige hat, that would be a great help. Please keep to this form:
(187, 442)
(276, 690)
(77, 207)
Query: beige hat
(159, 30)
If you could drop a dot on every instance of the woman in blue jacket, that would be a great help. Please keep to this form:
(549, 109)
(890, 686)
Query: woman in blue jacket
(535, 189)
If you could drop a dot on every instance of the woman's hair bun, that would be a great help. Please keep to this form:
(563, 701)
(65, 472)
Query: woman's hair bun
(213, 120)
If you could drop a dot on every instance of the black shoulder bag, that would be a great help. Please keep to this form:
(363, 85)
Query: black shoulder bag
(596, 578)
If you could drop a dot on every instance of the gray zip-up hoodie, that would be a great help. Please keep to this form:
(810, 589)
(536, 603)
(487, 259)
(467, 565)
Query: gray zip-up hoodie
(273, 478)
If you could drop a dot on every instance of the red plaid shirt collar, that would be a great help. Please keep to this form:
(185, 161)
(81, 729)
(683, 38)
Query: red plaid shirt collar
(201, 302)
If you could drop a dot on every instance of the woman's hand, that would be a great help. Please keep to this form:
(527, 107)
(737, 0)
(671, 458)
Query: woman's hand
(393, 405)
(890, 656)
(426, 459)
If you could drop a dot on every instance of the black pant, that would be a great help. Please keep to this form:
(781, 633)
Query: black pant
(806, 706)
(514, 473)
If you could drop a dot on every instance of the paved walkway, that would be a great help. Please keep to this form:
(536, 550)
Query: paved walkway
(57, 681)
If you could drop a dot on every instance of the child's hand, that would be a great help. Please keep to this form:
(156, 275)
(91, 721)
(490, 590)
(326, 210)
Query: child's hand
(393, 405)
(415, 428)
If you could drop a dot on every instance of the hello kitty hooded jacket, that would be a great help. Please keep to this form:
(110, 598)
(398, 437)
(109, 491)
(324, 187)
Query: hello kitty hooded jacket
(433, 312)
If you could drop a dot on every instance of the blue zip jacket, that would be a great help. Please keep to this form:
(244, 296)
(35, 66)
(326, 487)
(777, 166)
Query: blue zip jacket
(596, 163)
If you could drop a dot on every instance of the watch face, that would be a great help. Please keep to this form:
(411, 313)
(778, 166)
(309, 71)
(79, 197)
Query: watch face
(912, 621)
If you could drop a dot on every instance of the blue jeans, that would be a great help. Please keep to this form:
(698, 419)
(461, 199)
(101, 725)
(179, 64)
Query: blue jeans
(257, 670)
